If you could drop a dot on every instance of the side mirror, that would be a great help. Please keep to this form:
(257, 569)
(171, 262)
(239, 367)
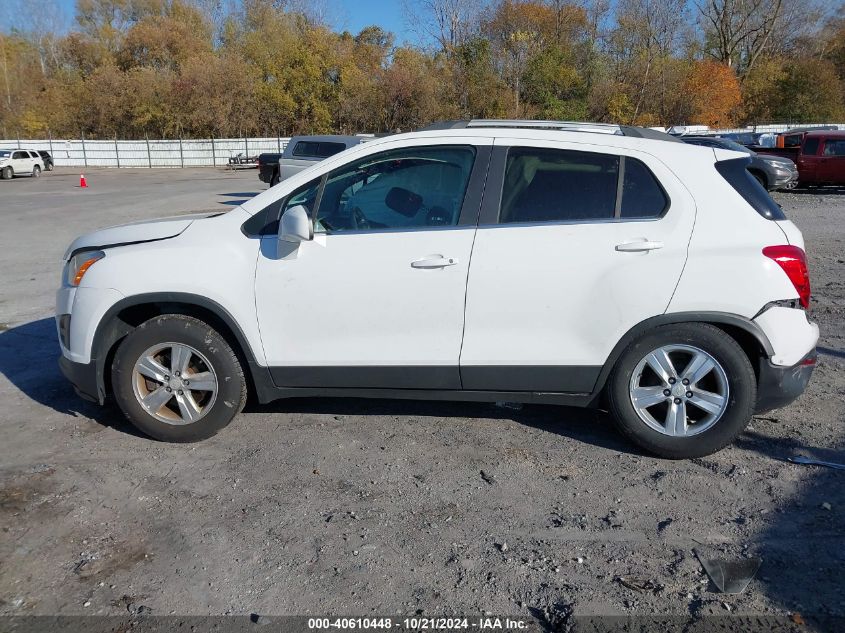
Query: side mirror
(295, 225)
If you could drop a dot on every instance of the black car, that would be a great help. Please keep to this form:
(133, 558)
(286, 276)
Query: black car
(773, 172)
(47, 159)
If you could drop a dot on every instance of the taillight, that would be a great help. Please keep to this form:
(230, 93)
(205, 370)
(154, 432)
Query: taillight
(793, 261)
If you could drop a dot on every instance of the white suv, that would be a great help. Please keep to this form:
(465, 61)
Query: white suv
(545, 262)
(17, 162)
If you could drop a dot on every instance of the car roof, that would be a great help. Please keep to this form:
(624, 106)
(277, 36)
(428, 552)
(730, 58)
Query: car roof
(826, 134)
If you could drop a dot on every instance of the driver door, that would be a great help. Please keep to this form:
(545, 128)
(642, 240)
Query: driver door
(376, 299)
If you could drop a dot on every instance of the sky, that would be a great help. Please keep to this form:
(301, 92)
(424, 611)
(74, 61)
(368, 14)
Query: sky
(351, 15)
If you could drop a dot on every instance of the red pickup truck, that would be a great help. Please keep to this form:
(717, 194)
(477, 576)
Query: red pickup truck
(820, 156)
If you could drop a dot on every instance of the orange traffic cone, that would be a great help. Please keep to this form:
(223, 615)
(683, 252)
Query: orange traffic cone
(82, 182)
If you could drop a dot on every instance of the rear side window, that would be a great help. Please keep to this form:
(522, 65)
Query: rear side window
(319, 149)
(811, 146)
(746, 185)
(792, 140)
(552, 185)
(642, 195)
(834, 147)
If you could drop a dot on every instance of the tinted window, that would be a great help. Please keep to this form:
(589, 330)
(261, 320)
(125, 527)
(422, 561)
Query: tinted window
(746, 185)
(4, 154)
(34, 155)
(44, 154)
(320, 149)
(811, 146)
(834, 147)
(550, 185)
(642, 195)
(19, 155)
(411, 187)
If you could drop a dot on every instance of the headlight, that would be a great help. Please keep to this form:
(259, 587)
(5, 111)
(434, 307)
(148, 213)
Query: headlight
(79, 264)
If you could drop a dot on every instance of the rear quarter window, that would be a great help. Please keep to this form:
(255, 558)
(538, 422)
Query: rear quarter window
(735, 172)
(317, 149)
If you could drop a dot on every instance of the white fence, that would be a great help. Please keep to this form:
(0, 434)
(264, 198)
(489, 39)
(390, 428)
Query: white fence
(149, 153)
(207, 152)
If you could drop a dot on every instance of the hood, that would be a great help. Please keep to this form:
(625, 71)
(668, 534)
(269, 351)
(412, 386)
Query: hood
(136, 232)
(769, 158)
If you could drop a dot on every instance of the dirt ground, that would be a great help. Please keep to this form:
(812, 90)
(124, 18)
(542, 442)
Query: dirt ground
(360, 507)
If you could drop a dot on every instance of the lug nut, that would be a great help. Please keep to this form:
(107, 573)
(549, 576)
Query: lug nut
(168, 389)
(167, 377)
(179, 392)
(666, 392)
(689, 394)
(677, 401)
(672, 381)
(178, 373)
(185, 382)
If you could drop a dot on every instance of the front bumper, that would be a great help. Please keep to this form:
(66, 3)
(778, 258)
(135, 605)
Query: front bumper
(83, 377)
(784, 180)
(778, 386)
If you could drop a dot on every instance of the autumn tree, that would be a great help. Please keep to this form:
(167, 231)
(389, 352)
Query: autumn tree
(714, 94)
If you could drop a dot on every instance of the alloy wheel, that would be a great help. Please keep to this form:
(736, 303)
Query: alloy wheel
(174, 383)
(679, 390)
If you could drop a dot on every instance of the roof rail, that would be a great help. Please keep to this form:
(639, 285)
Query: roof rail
(571, 126)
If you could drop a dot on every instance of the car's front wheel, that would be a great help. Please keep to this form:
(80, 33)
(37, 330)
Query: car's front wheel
(6, 173)
(177, 379)
(36, 171)
(682, 391)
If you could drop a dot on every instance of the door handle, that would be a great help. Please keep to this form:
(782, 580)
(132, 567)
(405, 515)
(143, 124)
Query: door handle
(639, 246)
(434, 261)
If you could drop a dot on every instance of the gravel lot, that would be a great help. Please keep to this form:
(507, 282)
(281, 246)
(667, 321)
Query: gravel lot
(360, 507)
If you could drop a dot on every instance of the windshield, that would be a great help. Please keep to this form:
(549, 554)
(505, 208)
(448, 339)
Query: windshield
(733, 145)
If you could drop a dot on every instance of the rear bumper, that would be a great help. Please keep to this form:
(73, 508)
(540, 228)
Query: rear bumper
(778, 386)
(83, 377)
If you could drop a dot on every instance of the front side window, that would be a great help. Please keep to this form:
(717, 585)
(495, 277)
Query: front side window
(398, 189)
(811, 146)
(553, 185)
(834, 147)
(18, 155)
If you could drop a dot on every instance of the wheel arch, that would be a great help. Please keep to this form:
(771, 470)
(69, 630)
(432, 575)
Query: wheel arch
(127, 314)
(745, 332)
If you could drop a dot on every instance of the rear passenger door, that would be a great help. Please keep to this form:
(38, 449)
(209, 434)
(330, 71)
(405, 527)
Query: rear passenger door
(576, 244)
(21, 162)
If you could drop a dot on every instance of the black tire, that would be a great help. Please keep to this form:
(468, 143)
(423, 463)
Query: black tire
(742, 391)
(49, 166)
(36, 171)
(274, 179)
(176, 328)
(7, 173)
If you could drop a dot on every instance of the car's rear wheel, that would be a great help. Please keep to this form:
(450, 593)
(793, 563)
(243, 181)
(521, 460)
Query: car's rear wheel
(49, 166)
(177, 379)
(6, 173)
(683, 390)
(36, 171)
